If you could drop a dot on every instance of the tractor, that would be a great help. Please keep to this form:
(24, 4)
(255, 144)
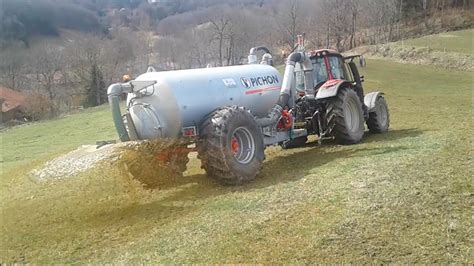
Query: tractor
(230, 114)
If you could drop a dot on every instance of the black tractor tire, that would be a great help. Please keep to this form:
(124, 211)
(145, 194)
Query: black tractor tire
(294, 143)
(231, 146)
(345, 117)
(379, 118)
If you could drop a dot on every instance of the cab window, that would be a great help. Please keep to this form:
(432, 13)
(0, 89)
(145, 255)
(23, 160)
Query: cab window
(319, 70)
(350, 77)
(338, 69)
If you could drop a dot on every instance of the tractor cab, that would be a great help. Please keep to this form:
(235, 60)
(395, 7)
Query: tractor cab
(329, 67)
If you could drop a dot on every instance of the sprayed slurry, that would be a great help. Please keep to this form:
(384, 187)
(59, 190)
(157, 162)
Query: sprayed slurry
(149, 162)
(154, 163)
(75, 162)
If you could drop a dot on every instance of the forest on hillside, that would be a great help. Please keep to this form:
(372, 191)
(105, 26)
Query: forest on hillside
(22, 19)
(63, 48)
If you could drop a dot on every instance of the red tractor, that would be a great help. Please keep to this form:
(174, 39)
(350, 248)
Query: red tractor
(331, 102)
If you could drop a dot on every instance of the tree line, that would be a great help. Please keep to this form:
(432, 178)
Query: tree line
(126, 36)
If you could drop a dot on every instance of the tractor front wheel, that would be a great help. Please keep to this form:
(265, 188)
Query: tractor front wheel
(231, 147)
(345, 117)
(379, 118)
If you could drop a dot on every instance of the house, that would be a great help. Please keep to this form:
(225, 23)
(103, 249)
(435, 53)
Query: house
(14, 105)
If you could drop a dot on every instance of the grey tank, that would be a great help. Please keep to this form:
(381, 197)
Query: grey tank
(183, 98)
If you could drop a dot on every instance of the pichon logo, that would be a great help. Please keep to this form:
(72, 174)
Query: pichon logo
(259, 81)
(246, 82)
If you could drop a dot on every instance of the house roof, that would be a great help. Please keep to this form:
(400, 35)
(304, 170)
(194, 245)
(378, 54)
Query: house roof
(11, 99)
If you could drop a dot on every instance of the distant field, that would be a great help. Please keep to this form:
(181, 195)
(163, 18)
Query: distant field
(449, 50)
(459, 42)
(405, 196)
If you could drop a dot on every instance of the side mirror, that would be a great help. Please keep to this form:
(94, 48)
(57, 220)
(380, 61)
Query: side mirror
(362, 79)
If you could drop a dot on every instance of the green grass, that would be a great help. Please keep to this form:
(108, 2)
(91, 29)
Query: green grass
(405, 196)
(27, 143)
(459, 42)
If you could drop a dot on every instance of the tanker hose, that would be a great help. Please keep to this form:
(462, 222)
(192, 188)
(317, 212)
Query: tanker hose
(275, 114)
(114, 92)
(272, 117)
(294, 58)
(260, 48)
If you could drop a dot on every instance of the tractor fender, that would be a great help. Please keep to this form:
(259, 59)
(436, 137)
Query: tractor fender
(330, 88)
(370, 99)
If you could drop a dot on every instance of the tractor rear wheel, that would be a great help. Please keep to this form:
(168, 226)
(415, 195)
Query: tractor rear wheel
(231, 147)
(294, 143)
(345, 117)
(379, 118)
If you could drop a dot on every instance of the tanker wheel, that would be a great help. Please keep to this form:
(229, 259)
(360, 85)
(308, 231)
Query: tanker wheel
(294, 143)
(345, 117)
(379, 118)
(231, 147)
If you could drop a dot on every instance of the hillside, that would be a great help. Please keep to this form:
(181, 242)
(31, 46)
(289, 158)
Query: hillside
(67, 51)
(21, 20)
(400, 197)
(453, 50)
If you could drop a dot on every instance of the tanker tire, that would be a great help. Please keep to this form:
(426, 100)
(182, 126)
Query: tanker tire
(294, 143)
(215, 152)
(379, 119)
(345, 117)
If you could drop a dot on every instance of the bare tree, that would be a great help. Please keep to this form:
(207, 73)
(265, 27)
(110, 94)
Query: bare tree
(128, 53)
(199, 52)
(354, 4)
(82, 55)
(169, 52)
(222, 31)
(288, 19)
(339, 25)
(383, 18)
(47, 62)
(12, 63)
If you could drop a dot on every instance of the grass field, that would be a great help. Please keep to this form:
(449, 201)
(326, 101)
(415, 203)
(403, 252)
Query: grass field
(405, 196)
(449, 50)
(26, 144)
(458, 42)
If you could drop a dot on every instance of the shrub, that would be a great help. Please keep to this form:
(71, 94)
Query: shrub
(38, 107)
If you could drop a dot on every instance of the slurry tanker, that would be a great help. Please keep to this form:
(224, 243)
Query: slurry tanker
(232, 113)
